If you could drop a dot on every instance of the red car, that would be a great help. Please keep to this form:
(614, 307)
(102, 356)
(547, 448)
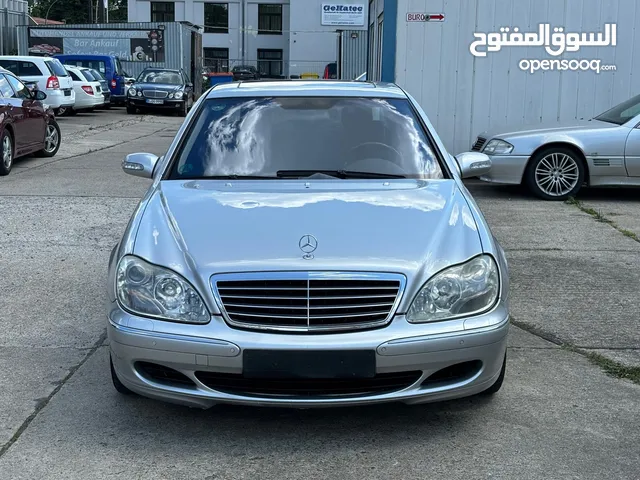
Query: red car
(26, 125)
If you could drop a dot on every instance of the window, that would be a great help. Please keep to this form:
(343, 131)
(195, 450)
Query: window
(163, 11)
(10, 65)
(5, 89)
(261, 136)
(56, 68)
(87, 74)
(20, 88)
(622, 113)
(269, 19)
(270, 62)
(74, 77)
(217, 59)
(28, 69)
(216, 18)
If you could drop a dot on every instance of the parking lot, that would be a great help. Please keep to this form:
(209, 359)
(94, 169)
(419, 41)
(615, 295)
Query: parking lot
(565, 411)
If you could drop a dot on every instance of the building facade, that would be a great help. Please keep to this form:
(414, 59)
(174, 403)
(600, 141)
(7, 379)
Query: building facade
(425, 47)
(281, 38)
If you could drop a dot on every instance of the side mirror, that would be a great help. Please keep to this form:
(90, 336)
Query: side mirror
(473, 164)
(140, 164)
(190, 85)
(39, 95)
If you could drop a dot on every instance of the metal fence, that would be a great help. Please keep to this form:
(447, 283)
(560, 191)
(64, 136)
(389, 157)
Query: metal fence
(279, 69)
(9, 21)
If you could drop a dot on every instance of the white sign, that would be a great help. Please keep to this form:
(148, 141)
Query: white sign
(346, 14)
(425, 17)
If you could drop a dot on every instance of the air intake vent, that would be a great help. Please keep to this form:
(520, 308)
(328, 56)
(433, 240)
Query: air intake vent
(479, 144)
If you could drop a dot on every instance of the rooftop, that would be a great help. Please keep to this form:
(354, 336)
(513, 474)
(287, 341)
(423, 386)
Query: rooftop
(305, 88)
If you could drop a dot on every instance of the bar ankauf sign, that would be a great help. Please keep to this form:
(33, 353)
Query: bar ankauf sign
(343, 14)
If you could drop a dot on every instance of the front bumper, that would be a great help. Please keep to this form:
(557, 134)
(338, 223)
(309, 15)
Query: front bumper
(399, 348)
(167, 103)
(506, 169)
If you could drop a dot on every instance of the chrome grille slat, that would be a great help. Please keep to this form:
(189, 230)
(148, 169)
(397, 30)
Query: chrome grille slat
(154, 94)
(308, 301)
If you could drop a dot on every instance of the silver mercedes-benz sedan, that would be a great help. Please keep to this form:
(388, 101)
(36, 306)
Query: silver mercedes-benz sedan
(554, 161)
(307, 244)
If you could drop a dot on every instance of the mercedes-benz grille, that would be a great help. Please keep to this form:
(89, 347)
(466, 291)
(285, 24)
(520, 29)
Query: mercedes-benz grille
(155, 94)
(308, 301)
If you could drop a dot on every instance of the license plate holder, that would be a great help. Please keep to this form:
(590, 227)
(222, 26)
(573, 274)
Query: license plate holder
(155, 101)
(292, 364)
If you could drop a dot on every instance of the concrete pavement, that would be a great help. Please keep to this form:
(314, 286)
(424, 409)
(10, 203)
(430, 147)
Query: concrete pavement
(558, 415)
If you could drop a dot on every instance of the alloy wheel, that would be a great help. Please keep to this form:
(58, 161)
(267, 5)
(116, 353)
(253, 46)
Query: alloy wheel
(557, 174)
(51, 139)
(7, 151)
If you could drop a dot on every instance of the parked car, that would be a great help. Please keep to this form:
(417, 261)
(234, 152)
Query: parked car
(104, 87)
(109, 66)
(269, 266)
(88, 91)
(555, 160)
(50, 75)
(330, 71)
(26, 125)
(161, 89)
(245, 72)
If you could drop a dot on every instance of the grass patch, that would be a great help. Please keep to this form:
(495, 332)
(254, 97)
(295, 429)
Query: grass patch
(611, 367)
(600, 217)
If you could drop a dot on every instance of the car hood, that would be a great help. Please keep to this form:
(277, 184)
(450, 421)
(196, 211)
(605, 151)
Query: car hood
(549, 128)
(199, 228)
(156, 86)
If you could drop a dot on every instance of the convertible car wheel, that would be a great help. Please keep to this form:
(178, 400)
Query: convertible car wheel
(498, 383)
(555, 174)
(6, 152)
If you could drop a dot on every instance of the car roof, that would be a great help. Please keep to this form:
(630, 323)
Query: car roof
(319, 88)
(25, 58)
(174, 70)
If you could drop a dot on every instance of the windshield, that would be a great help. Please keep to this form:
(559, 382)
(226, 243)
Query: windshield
(56, 68)
(88, 75)
(299, 137)
(622, 113)
(97, 75)
(160, 76)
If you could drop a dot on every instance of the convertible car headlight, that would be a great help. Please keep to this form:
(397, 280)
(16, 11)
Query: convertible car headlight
(462, 290)
(149, 290)
(498, 147)
(132, 92)
(177, 95)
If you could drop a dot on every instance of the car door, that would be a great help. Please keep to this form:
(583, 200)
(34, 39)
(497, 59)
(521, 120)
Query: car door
(632, 149)
(17, 116)
(33, 113)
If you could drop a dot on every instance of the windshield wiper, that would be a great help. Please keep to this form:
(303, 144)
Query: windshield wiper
(232, 177)
(335, 173)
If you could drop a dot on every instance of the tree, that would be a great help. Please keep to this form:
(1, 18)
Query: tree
(79, 11)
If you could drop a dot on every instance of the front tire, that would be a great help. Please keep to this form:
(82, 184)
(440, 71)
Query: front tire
(7, 151)
(117, 384)
(183, 109)
(52, 139)
(493, 389)
(131, 110)
(555, 173)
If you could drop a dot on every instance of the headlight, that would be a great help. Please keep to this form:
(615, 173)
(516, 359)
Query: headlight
(171, 95)
(140, 93)
(498, 147)
(178, 95)
(462, 290)
(153, 291)
(132, 92)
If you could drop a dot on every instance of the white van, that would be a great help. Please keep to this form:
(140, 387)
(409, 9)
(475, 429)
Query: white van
(50, 75)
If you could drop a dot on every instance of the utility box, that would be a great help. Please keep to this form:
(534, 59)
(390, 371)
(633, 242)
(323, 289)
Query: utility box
(136, 44)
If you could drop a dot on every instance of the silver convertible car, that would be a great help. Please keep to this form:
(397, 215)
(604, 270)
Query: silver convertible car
(555, 161)
(307, 244)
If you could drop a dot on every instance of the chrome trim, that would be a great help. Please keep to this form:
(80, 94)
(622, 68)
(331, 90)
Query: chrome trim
(308, 276)
(155, 94)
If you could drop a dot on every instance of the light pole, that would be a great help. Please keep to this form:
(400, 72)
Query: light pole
(46, 18)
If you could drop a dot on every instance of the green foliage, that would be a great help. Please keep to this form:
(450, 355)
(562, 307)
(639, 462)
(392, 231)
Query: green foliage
(78, 11)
